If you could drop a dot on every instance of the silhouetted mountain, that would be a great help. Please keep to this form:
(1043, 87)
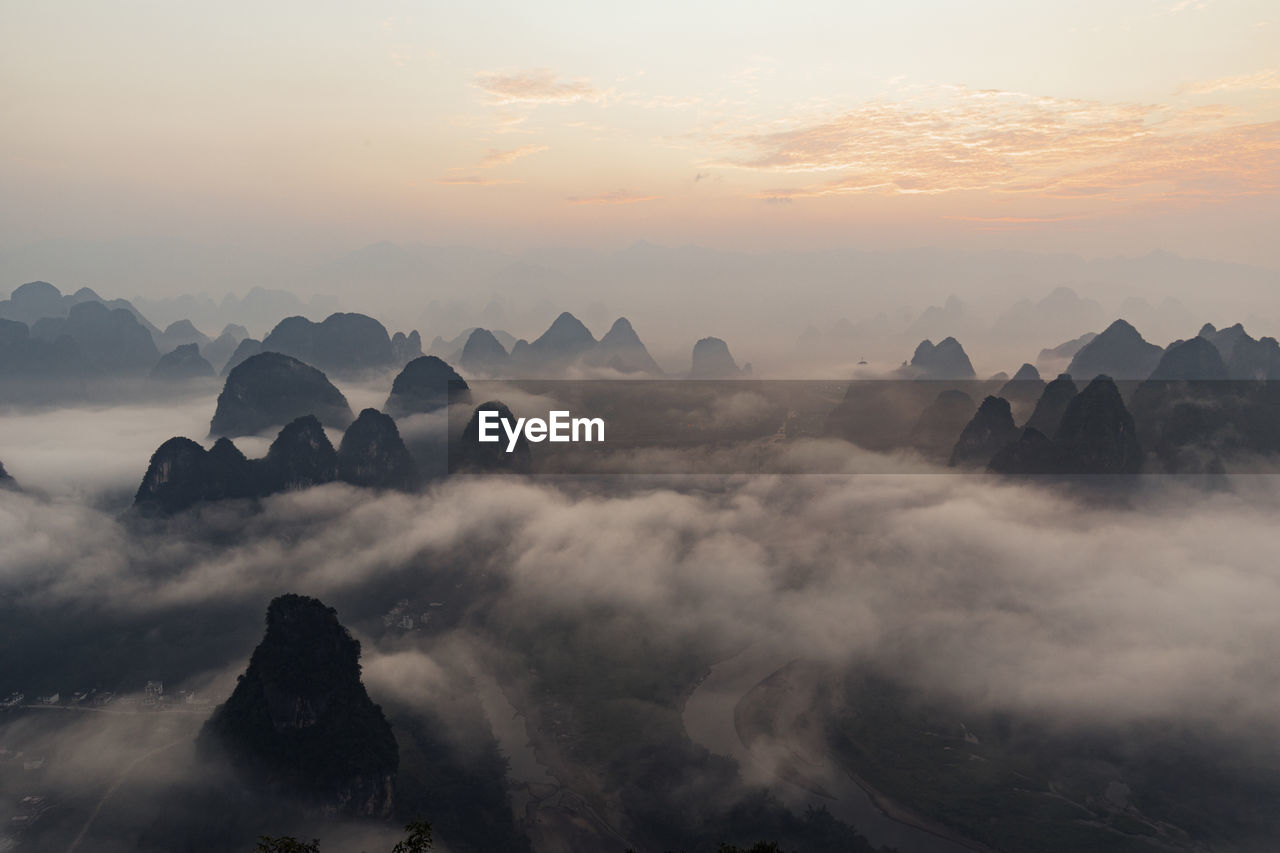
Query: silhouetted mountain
(1224, 340)
(564, 342)
(270, 389)
(246, 349)
(32, 301)
(483, 353)
(23, 357)
(946, 360)
(112, 340)
(343, 342)
(1052, 404)
(405, 348)
(300, 721)
(1118, 352)
(300, 457)
(1064, 351)
(452, 350)
(990, 431)
(1027, 373)
(6, 481)
(1023, 391)
(711, 360)
(1196, 359)
(1032, 454)
(38, 300)
(218, 352)
(1097, 434)
(1061, 312)
(934, 430)
(424, 386)
(622, 350)
(183, 363)
(1252, 359)
(179, 333)
(182, 474)
(1190, 417)
(371, 454)
(471, 456)
(1245, 358)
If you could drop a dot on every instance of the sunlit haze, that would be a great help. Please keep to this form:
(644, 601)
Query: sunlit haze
(303, 130)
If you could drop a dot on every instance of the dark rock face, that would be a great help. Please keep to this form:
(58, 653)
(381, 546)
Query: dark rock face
(246, 349)
(1032, 454)
(111, 339)
(1119, 352)
(1196, 359)
(270, 389)
(469, 455)
(425, 385)
(300, 721)
(1052, 404)
(343, 342)
(6, 481)
(371, 454)
(180, 333)
(405, 348)
(1097, 433)
(483, 352)
(300, 457)
(990, 431)
(947, 360)
(712, 360)
(183, 363)
(182, 474)
(622, 350)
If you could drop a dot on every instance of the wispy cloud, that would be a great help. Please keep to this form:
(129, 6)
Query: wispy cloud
(958, 139)
(1012, 220)
(536, 86)
(476, 181)
(1266, 79)
(613, 197)
(501, 157)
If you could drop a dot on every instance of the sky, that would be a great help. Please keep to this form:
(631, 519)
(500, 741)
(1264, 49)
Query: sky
(1090, 127)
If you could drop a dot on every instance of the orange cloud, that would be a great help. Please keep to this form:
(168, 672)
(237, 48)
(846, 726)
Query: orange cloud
(1266, 79)
(614, 197)
(991, 141)
(535, 86)
(475, 181)
(496, 157)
